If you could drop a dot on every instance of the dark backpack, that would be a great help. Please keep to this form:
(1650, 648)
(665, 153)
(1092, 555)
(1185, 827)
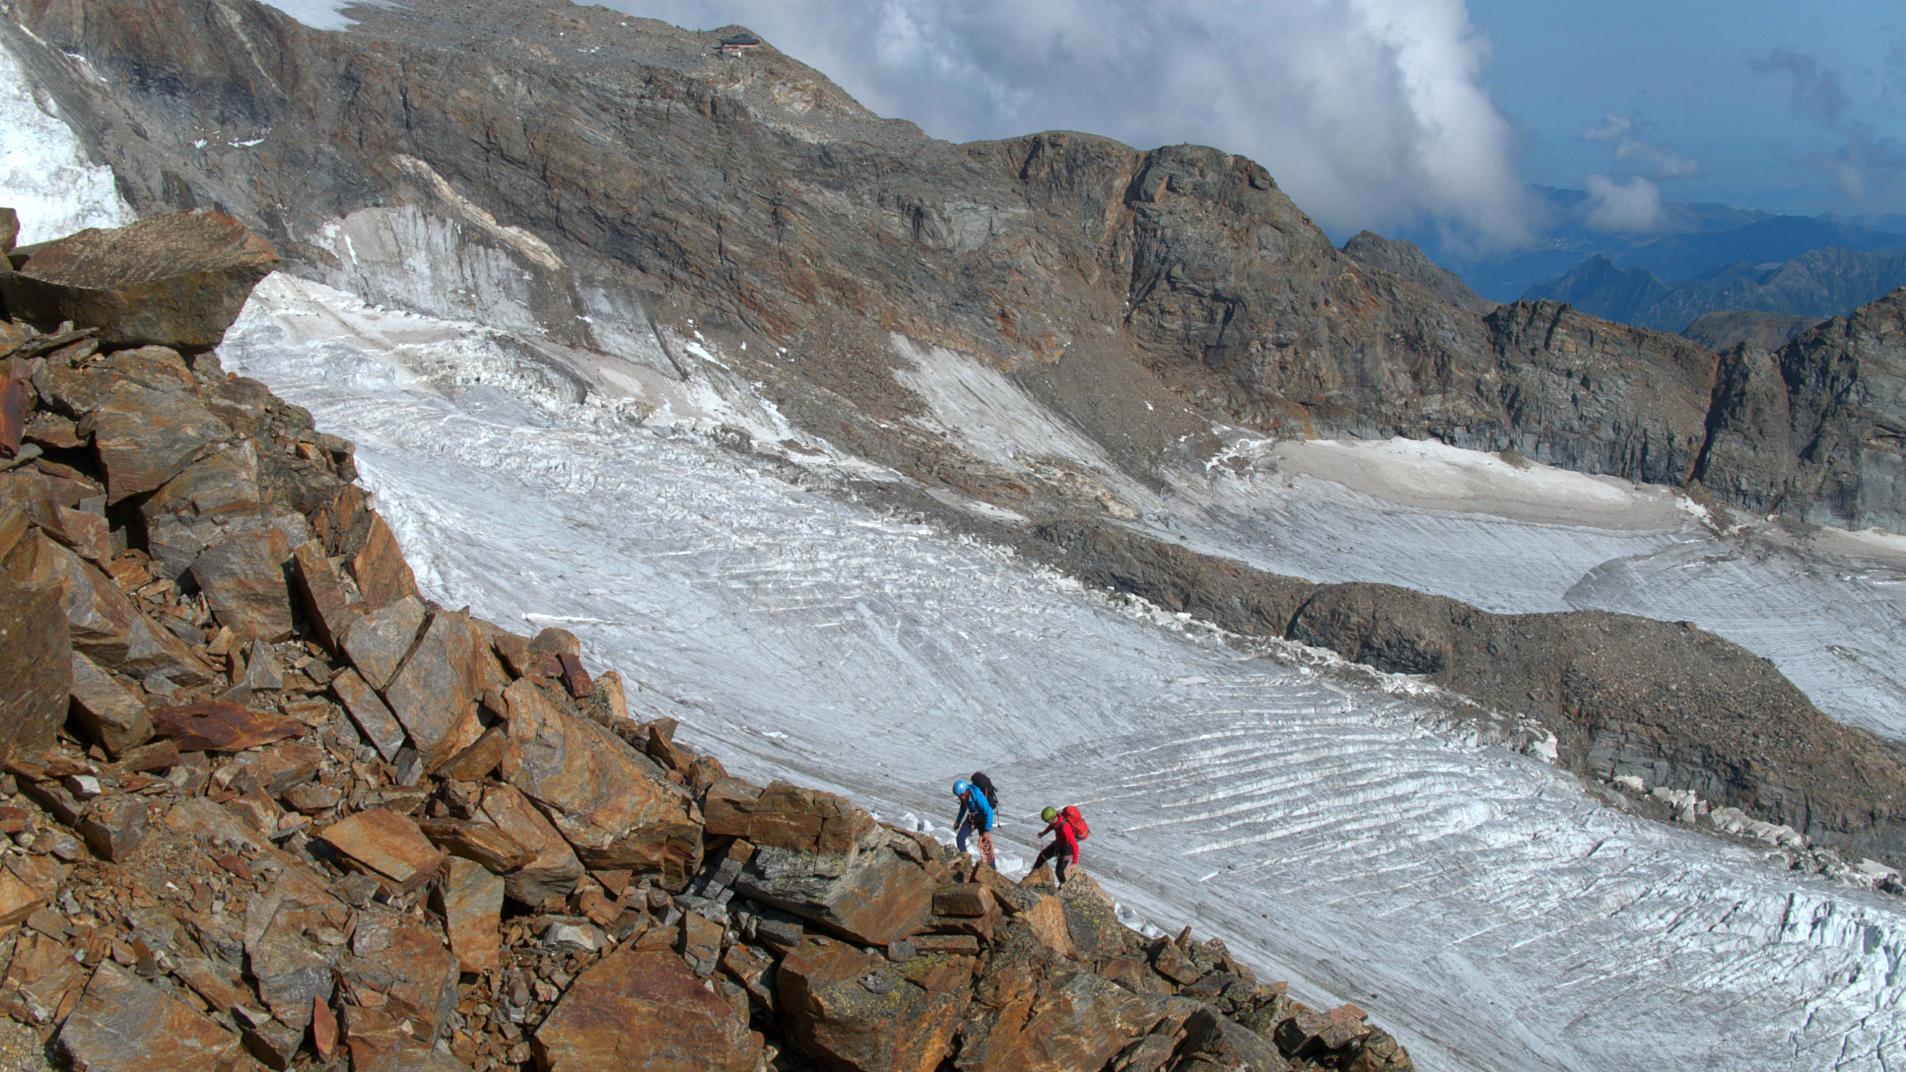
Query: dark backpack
(985, 785)
(1070, 813)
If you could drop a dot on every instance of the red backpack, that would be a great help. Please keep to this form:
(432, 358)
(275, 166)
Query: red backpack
(1070, 813)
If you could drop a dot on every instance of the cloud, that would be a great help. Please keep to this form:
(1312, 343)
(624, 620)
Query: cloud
(1613, 205)
(1869, 169)
(1657, 159)
(1817, 94)
(1370, 113)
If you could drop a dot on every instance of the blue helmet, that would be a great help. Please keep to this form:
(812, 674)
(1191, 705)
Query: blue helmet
(961, 787)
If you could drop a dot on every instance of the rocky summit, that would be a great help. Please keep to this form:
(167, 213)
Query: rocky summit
(757, 195)
(266, 805)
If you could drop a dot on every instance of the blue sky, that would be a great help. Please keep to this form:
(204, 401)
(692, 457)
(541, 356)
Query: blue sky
(1715, 83)
(1401, 115)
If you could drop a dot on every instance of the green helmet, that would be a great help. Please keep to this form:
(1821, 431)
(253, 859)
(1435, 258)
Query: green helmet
(1049, 814)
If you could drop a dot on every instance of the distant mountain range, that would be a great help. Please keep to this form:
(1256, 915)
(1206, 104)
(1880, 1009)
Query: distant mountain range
(1716, 247)
(1822, 282)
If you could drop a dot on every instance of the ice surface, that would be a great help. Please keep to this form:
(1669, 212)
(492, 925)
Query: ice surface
(319, 14)
(44, 174)
(1830, 611)
(1475, 900)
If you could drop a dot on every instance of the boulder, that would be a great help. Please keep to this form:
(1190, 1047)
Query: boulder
(243, 579)
(9, 229)
(294, 972)
(400, 968)
(643, 1008)
(368, 710)
(376, 642)
(552, 869)
(610, 803)
(878, 893)
(1027, 1021)
(379, 568)
(111, 713)
(1220, 1042)
(146, 436)
(222, 726)
(115, 634)
(434, 694)
(177, 280)
(124, 1024)
(328, 607)
(36, 652)
(471, 900)
(853, 1009)
(1092, 922)
(193, 509)
(785, 816)
(478, 840)
(382, 1039)
(387, 846)
(14, 404)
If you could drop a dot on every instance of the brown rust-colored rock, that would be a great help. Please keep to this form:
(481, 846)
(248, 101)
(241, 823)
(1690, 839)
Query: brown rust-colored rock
(479, 840)
(874, 895)
(552, 869)
(377, 641)
(36, 652)
(368, 710)
(850, 1008)
(575, 678)
(175, 280)
(435, 693)
(471, 901)
(111, 713)
(643, 1008)
(610, 803)
(388, 846)
(379, 568)
(145, 435)
(13, 412)
(784, 815)
(479, 760)
(124, 1024)
(328, 608)
(117, 635)
(243, 579)
(222, 726)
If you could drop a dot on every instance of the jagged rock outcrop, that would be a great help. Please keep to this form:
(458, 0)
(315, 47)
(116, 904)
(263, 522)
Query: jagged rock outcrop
(1625, 696)
(1815, 429)
(1721, 331)
(753, 194)
(247, 848)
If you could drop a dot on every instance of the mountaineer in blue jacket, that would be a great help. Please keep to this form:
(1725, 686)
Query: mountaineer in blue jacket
(975, 817)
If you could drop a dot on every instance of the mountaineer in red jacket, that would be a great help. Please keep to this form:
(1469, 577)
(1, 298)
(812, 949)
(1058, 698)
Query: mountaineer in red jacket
(1070, 827)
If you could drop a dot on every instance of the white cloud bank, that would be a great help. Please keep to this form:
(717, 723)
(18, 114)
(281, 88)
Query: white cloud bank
(1613, 205)
(1370, 113)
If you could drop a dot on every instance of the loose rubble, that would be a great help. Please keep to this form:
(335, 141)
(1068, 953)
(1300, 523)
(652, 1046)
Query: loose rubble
(265, 804)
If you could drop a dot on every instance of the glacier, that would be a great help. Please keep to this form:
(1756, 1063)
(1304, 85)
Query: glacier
(1337, 827)
(1323, 819)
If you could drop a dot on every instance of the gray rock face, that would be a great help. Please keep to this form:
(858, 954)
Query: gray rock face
(756, 194)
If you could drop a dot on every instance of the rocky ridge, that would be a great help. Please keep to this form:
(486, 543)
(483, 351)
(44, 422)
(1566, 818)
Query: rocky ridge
(264, 803)
(607, 156)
